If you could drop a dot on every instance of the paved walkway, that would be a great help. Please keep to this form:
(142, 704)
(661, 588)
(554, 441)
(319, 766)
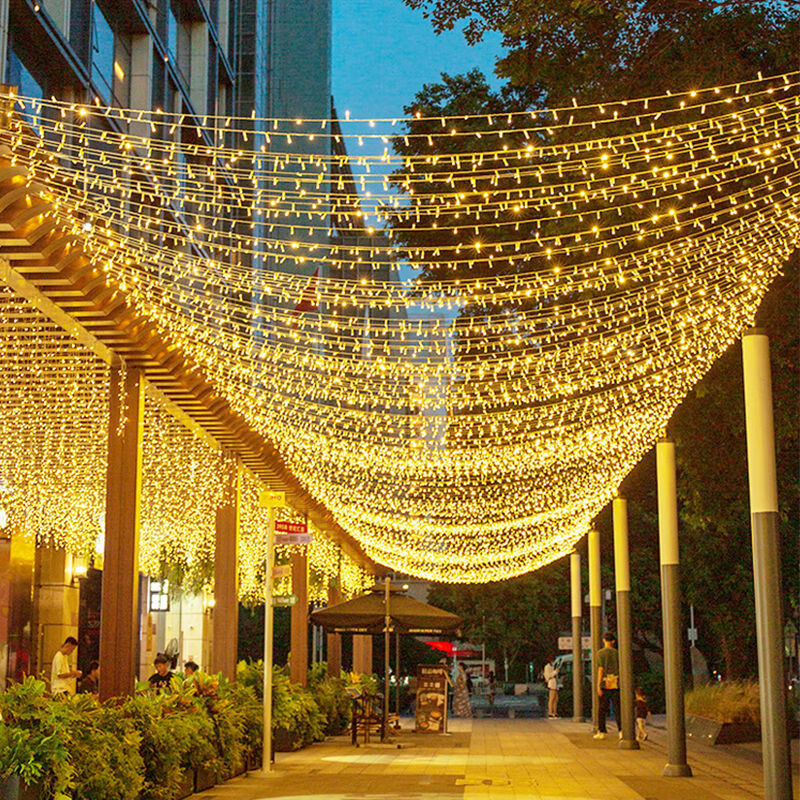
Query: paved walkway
(487, 759)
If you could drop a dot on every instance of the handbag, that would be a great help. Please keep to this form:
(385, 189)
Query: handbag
(611, 681)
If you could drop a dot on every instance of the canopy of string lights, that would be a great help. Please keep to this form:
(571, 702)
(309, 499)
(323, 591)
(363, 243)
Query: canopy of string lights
(465, 383)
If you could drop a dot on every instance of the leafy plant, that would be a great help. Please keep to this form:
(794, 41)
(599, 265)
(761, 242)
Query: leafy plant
(331, 696)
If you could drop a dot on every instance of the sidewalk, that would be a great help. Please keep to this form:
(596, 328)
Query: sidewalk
(484, 759)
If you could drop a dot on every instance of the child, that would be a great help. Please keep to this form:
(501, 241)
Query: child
(642, 715)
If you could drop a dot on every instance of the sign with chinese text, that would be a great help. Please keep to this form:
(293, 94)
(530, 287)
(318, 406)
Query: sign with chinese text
(431, 698)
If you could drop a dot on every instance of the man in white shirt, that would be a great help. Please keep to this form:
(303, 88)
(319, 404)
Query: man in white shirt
(62, 676)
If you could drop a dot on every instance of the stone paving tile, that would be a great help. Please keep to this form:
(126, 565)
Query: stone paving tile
(498, 759)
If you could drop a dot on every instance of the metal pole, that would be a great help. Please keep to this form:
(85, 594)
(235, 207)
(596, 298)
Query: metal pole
(622, 574)
(397, 674)
(266, 751)
(676, 766)
(595, 617)
(386, 625)
(577, 633)
(766, 563)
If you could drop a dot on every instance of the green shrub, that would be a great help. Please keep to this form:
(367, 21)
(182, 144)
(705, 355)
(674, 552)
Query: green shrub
(729, 701)
(330, 694)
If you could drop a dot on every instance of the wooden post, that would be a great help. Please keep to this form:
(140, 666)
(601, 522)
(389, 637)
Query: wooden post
(298, 666)
(120, 595)
(226, 579)
(334, 643)
(362, 653)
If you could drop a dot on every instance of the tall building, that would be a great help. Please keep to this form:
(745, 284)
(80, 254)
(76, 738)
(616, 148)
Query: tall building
(207, 60)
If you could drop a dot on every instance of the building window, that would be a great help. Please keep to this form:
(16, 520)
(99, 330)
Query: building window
(111, 59)
(179, 39)
(159, 596)
(20, 76)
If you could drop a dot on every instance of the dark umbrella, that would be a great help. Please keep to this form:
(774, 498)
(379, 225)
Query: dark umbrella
(382, 610)
(367, 614)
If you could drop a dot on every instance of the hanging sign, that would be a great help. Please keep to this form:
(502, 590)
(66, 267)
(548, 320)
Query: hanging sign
(282, 571)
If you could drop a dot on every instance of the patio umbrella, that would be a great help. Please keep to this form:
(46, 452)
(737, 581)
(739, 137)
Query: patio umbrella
(384, 610)
(367, 614)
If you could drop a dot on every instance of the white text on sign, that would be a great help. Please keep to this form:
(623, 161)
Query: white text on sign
(295, 539)
(282, 526)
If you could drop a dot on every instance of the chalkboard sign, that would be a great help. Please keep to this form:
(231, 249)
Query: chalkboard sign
(431, 699)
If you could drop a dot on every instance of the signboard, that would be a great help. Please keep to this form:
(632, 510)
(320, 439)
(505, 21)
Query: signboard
(431, 699)
(270, 499)
(284, 599)
(283, 526)
(296, 539)
(565, 642)
(283, 571)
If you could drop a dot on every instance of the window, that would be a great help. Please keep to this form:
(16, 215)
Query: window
(19, 75)
(159, 596)
(111, 58)
(178, 40)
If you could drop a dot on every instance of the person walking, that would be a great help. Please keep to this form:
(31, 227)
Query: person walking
(551, 679)
(62, 675)
(461, 704)
(491, 688)
(642, 715)
(607, 683)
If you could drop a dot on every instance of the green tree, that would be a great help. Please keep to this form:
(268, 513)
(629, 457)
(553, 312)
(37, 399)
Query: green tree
(600, 49)
(519, 619)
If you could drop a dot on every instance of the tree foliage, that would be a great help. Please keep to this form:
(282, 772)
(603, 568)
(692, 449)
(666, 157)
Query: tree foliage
(601, 49)
(595, 50)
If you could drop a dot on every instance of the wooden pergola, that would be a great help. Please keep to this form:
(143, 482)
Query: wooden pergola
(57, 273)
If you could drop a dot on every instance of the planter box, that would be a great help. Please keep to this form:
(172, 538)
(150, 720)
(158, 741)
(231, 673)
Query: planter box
(186, 789)
(14, 788)
(203, 779)
(709, 731)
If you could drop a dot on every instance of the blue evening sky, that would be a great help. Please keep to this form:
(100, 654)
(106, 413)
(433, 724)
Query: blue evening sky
(383, 52)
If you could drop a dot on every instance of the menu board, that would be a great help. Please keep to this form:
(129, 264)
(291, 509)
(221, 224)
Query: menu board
(431, 698)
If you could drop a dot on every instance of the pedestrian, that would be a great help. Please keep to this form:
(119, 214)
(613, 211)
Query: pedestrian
(551, 679)
(91, 681)
(62, 675)
(642, 715)
(189, 669)
(491, 688)
(160, 680)
(607, 683)
(461, 705)
(470, 686)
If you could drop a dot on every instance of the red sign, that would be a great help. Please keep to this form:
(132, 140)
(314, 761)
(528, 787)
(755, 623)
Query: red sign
(282, 526)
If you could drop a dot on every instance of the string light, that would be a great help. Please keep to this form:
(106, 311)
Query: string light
(465, 389)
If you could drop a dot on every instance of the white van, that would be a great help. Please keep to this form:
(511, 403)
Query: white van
(563, 663)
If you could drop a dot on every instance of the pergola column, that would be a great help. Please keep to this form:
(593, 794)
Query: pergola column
(334, 640)
(595, 617)
(362, 653)
(766, 563)
(224, 653)
(622, 575)
(298, 659)
(671, 611)
(119, 607)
